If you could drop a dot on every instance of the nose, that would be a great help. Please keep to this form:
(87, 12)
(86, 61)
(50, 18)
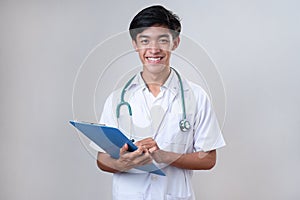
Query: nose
(154, 47)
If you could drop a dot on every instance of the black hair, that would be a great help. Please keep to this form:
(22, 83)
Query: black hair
(155, 15)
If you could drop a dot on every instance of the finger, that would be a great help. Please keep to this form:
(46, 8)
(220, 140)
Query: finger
(144, 141)
(140, 143)
(148, 158)
(145, 162)
(124, 149)
(152, 149)
(148, 139)
(136, 153)
(151, 145)
(143, 159)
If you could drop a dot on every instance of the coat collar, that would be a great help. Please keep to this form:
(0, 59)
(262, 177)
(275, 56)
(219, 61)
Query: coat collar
(172, 83)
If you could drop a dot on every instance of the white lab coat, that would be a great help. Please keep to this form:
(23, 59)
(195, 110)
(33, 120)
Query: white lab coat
(159, 117)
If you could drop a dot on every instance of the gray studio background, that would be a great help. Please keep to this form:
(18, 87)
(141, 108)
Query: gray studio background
(254, 44)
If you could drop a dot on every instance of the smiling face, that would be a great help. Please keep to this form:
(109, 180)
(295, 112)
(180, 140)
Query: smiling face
(154, 46)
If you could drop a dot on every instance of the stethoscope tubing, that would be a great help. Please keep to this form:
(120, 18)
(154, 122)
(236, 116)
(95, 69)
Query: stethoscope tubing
(183, 124)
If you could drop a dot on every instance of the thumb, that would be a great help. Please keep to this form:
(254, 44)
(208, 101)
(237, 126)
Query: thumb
(124, 149)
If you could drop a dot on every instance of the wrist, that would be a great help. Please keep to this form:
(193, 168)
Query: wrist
(167, 157)
(162, 156)
(118, 165)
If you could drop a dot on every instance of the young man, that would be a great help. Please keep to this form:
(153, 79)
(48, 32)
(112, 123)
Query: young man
(160, 99)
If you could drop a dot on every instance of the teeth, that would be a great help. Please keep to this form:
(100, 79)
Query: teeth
(153, 59)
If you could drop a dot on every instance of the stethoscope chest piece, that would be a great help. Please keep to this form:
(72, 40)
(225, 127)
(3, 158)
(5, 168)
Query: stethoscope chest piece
(184, 125)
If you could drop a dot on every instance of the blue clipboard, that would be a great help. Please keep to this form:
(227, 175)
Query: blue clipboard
(111, 140)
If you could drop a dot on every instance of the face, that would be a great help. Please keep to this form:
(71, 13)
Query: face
(154, 46)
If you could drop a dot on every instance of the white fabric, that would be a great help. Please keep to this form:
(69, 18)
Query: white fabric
(159, 117)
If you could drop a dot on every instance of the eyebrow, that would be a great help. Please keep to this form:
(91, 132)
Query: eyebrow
(160, 36)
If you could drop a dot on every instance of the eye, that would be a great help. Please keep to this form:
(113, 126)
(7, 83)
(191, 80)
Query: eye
(164, 41)
(144, 41)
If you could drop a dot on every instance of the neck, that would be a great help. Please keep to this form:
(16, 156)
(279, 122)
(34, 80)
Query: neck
(155, 80)
(158, 78)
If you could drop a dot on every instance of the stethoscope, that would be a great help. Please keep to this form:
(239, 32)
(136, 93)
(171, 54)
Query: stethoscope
(184, 124)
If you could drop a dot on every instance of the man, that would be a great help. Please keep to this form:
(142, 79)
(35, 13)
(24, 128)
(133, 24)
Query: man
(156, 97)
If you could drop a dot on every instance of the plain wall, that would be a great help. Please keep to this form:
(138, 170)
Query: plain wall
(254, 44)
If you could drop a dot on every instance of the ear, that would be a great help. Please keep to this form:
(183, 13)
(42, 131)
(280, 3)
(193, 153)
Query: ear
(134, 45)
(176, 42)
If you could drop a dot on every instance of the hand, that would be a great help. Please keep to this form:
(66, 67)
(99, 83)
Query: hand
(129, 160)
(157, 154)
(148, 143)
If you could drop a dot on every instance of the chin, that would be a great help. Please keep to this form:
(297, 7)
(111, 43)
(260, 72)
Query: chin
(155, 68)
